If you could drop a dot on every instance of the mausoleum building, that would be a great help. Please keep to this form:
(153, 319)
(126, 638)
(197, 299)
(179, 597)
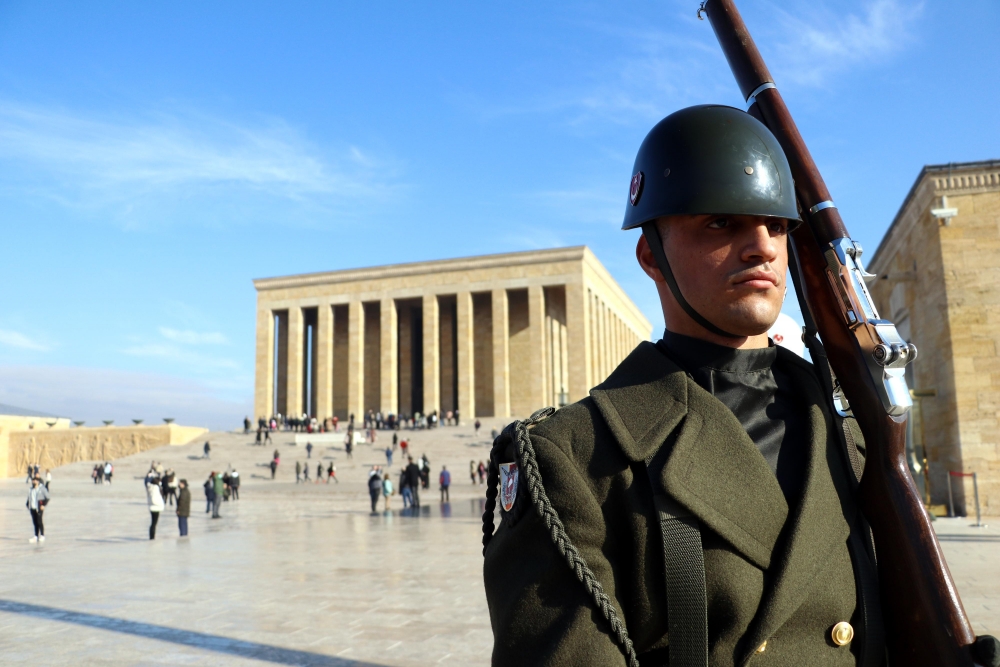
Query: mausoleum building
(495, 335)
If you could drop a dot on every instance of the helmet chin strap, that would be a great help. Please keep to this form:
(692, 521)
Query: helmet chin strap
(655, 243)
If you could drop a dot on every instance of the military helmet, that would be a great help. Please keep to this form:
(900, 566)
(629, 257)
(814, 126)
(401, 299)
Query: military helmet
(710, 159)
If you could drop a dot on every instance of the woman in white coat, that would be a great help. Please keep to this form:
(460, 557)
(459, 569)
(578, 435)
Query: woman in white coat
(155, 501)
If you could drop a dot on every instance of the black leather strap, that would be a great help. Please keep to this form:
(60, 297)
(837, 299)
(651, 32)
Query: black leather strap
(684, 562)
(652, 235)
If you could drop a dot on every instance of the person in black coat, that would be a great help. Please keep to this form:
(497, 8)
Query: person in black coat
(413, 479)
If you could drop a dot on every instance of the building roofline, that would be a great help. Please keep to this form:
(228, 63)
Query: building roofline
(416, 268)
(14, 411)
(927, 170)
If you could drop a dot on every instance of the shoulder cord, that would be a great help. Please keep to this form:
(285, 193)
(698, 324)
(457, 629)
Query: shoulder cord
(557, 532)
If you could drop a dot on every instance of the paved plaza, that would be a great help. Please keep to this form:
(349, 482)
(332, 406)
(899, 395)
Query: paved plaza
(292, 574)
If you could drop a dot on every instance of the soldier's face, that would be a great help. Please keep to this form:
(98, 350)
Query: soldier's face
(731, 269)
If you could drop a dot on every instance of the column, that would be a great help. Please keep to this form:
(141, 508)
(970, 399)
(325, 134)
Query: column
(389, 342)
(538, 387)
(466, 358)
(501, 355)
(356, 360)
(324, 361)
(577, 342)
(263, 400)
(293, 376)
(432, 355)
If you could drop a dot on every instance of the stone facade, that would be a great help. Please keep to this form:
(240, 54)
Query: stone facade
(50, 448)
(939, 280)
(497, 335)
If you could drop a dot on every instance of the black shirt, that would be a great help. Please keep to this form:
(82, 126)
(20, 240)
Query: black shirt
(759, 392)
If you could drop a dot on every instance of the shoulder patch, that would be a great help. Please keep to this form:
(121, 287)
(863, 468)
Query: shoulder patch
(508, 485)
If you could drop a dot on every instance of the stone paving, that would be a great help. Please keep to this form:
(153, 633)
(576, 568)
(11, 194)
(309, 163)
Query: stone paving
(292, 574)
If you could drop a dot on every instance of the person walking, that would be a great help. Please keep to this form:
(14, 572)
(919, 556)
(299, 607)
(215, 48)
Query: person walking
(444, 479)
(108, 471)
(349, 444)
(482, 473)
(298, 472)
(395, 442)
(413, 480)
(183, 506)
(472, 471)
(319, 472)
(172, 486)
(207, 449)
(375, 488)
(38, 498)
(477, 425)
(331, 473)
(234, 484)
(48, 478)
(305, 473)
(404, 489)
(388, 457)
(309, 450)
(154, 500)
(217, 498)
(386, 490)
(209, 492)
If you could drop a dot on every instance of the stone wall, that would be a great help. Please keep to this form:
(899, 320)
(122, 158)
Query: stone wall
(53, 448)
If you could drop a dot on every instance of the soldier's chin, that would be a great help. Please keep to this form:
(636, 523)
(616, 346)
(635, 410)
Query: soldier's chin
(751, 319)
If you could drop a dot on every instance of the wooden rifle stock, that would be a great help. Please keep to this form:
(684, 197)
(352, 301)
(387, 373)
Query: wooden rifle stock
(926, 625)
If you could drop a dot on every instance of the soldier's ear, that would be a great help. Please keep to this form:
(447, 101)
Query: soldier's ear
(647, 262)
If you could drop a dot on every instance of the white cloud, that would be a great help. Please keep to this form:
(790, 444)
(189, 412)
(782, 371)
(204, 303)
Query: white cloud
(819, 41)
(94, 394)
(20, 341)
(91, 161)
(193, 337)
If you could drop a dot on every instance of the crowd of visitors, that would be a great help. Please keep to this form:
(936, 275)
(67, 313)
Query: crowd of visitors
(102, 472)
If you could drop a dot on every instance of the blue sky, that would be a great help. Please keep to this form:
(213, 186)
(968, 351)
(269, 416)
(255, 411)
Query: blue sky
(156, 157)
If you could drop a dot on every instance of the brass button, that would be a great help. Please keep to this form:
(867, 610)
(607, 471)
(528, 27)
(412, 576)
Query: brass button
(762, 647)
(748, 170)
(842, 633)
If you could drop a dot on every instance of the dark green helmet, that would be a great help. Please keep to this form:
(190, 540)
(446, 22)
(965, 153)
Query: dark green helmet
(710, 159)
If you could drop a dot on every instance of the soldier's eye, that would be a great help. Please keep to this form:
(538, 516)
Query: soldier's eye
(719, 223)
(778, 227)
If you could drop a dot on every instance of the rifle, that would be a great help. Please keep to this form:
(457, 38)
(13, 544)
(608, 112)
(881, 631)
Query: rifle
(926, 625)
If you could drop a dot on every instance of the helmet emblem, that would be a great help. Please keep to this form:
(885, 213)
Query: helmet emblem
(635, 188)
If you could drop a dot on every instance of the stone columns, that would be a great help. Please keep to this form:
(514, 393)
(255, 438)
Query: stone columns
(324, 361)
(578, 342)
(537, 380)
(389, 342)
(501, 355)
(466, 358)
(356, 360)
(432, 355)
(263, 400)
(294, 376)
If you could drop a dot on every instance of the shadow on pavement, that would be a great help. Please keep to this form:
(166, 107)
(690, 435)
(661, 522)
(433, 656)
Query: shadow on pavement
(200, 640)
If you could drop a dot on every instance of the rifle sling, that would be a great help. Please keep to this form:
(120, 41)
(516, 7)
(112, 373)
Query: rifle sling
(684, 562)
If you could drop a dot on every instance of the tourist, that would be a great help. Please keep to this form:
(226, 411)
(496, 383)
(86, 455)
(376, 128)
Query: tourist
(305, 473)
(395, 442)
(274, 466)
(425, 471)
(336, 421)
(331, 473)
(472, 471)
(374, 488)
(246, 425)
(404, 489)
(154, 499)
(48, 478)
(482, 472)
(413, 480)
(217, 498)
(403, 447)
(108, 471)
(349, 445)
(234, 484)
(225, 487)
(94, 474)
(30, 475)
(259, 433)
(388, 457)
(207, 449)
(183, 507)
(38, 498)
(444, 479)
(298, 472)
(209, 492)
(386, 490)
(267, 436)
(309, 450)
(477, 425)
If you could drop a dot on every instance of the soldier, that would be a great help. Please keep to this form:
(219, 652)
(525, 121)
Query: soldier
(698, 507)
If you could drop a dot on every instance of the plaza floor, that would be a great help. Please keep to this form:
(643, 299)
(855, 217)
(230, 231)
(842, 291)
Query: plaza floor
(293, 574)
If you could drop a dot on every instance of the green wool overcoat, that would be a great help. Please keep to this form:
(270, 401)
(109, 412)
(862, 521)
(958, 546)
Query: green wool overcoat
(774, 574)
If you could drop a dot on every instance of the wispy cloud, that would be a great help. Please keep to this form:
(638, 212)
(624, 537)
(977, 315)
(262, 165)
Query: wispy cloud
(95, 161)
(818, 41)
(20, 341)
(193, 337)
